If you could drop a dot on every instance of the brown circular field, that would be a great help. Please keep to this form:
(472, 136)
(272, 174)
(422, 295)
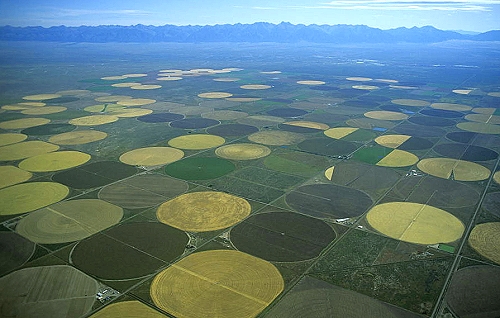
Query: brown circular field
(411, 102)
(276, 138)
(221, 283)
(15, 250)
(78, 137)
(481, 128)
(48, 291)
(54, 161)
(386, 115)
(255, 86)
(242, 151)
(438, 192)
(328, 201)
(23, 123)
(93, 120)
(39, 97)
(484, 110)
(196, 142)
(27, 197)
(203, 211)
(11, 138)
(127, 309)
(454, 107)
(151, 156)
(69, 221)
(136, 101)
(282, 236)
(459, 170)
(224, 115)
(131, 112)
(485, 240)
(474, 292)
(129, 250)
(415, 223)
(261, 121)
(311, 82)
(12, 175)
(142, 191)
(215, 95)
(25, 149)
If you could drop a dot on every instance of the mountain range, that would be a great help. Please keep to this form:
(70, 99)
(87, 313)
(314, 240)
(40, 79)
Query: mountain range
(257, 32)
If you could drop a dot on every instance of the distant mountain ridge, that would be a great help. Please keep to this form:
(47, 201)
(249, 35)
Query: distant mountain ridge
(257, 32)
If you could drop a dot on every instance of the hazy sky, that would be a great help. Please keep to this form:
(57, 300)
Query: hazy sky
(475, 15)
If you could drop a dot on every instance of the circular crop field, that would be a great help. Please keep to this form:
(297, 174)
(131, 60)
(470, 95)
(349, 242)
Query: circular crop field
(27, 197)
(403, 142)
(255, 86)
(418, 131)
(386, 115)
(438, 192)
(451, 107)
(459, 170)
(370, 123)
(474, 292)
(48, 129)
(44, 110)
(135, 101)
(261, 121)
(13, 175)
(142, 191)
(442, 113)
(481, 128)
(199, 168)
(196, 142)
(224, 115)
(484, 118)
(276, 138)
(69, 221)
(129, 250)
(15, 251)
(213, 95)
(485, 240)
(93, 120)
(411, 102)
(491, 203)
(52, 290)
(232, 130)
(11, 138)
(127, 309)
(287, 112)
(151, 156)
(327, 146)
(282, 236)
(328, 201)
(309, 82)
(54, 161)
(243, 151)
(160, 117)
(466, 152)
(240, 284)
(39, 97)
(350, 134)
(386, 157)
(194, 123)
(94, 175)
(431, 121)
(415, 223)
(23, 123)
(203, 211)
(25, 149)
(463, 137)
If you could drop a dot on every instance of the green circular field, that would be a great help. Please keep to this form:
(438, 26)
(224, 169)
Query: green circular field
(199, 168)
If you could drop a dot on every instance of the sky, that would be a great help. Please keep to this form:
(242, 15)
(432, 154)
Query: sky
(474, 15)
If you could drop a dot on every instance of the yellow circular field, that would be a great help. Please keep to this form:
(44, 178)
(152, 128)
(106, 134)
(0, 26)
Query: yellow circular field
(359, 79)
(485, 239)
(112, 98)
(113, 78)
(151, 156)
(462, 91)
(410, 102)
(54, 161)
(32, 104)
(134, 75)
(169, 78)
(386, 115)
(365, 87)
(242, 151)
(307, 124)
(203, 211)
(218, 283)
(27, 197)
(484, 110)
(311, 82)
(255, 86)
(44, 110)
(78, 137)
(131, 112)
(145, 87)
(226, 79)
(276, 138)
(481, 128)
(136, 101)
(460, 170)
(127, 84)
(16, 107)
(329, 173)
(215, 95)
(11, 138)
(93, 120)
(449, 106)
(415, 223)
(398, 158)
(339, 132)
(127, 309)
(102, 108)
(484, 118)
(69, 221)
(391, 141)
(496, 177)
(41, 96)
(12, 175)
(23, 123)
(25, 149)
(196, 142)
